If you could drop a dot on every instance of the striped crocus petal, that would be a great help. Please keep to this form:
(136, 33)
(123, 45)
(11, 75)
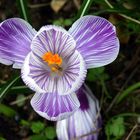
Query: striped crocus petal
(15, 40)
(53, 39)
(84, 122)
(96, 40)
(55, 107)
(38, 75)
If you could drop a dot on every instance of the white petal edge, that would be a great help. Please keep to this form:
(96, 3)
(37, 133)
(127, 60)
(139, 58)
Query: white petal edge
(28, 80)
(33, 85)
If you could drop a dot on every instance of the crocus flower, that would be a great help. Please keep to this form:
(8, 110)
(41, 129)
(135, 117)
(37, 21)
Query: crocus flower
(85, 123)
(54, 61)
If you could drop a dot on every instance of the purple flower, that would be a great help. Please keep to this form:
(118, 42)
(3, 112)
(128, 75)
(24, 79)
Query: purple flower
(85, 123)
(54, 61)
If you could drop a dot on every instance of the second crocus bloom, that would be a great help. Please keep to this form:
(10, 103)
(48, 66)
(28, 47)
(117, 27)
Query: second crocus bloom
(85, 123)
(54, 61)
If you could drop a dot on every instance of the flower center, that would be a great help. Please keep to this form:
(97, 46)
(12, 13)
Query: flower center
(54, 61)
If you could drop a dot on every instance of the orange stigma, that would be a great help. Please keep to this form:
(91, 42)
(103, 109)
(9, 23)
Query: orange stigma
(54, 61)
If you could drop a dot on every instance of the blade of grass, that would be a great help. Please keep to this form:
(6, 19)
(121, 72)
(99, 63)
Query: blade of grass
(122, 15)
(105, 11)
(84, 8)
(121, 90)
(8, 86)
(23, 9)
(20, 89)
(126, 92)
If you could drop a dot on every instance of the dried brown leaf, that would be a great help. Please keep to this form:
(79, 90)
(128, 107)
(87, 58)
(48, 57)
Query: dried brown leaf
(57, 5)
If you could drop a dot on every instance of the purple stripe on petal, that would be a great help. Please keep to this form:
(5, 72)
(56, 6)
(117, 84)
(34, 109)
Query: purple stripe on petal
(53, 106)
(74, 73)
(83, 121)
(29, 64)
(53, 39)
(39, 77)
(15, 39)
(96, 40)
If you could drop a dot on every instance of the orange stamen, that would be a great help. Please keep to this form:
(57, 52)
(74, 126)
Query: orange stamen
(54, 60)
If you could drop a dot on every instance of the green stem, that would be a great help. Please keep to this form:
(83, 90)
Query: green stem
(127, 92)
(104, 88)
(7, 87)
(125, 115)
(84, 8)
(23, 9)
(130, 18)
(19, 89)
(109, 4)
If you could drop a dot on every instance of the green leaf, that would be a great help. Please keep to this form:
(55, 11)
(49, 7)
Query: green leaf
(8, 86)
(108, 130)
(7, 111)
(1, 138)
(50, 133)
(68, 22)
(37, 127)
(63, 22)
(118, 127)
(37, 137)
(115, 128)
(84, 8)
(119, 130)
(58, 22)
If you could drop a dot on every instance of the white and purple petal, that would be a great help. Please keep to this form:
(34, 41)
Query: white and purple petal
(54, 107)
(96, 40)
(15, 40)
(37, 74)
(53, 39)
(84, 121)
